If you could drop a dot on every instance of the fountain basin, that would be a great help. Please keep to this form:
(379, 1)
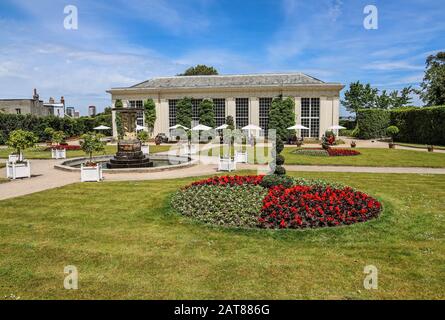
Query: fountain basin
(160, 163)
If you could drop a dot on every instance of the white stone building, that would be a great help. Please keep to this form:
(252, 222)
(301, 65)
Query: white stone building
(245, 97)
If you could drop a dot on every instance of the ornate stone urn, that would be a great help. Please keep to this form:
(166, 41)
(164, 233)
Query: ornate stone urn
(129, 153)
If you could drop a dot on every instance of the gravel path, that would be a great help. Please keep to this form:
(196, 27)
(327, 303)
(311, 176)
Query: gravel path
(46, 177)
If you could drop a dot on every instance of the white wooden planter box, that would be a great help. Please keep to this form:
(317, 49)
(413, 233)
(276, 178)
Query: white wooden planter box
(188, 149)
(226, 164)
(16, 170)
(91, 174)
(13, 158)
(240, 157)
(58, 153)
(145, 149)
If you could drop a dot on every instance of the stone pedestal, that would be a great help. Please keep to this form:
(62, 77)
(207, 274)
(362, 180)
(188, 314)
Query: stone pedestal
(129, 155)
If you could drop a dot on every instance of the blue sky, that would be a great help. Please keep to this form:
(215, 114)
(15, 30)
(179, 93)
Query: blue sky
(122, 42)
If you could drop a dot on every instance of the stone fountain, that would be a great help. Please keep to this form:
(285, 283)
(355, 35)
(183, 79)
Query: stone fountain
(129, 153)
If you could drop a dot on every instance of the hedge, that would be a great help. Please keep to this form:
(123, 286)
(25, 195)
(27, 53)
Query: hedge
(372, 123)
(417, 125)
(420, 125)
(72, 127)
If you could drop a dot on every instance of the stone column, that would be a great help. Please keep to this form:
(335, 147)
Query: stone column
(335, 110)
(231, 109)
(158, 123)
(113, 119)
(325, 115)
(254, 111)
(297, 110)
(163, 115)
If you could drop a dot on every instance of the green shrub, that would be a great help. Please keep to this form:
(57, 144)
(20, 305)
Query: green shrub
(372, 123)
(273, 180)
(420, 125)
(392, 131)
(346, 132)
(280, 170)
(279, 160)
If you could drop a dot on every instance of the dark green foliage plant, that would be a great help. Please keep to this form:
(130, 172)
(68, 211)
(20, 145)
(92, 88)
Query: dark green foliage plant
(372, 123)
(282, 116)
(207, 113)
(184, 112)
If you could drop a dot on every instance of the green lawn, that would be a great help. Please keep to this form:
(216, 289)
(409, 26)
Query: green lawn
(422, 146)
(39, 153)
(127, 243)
(372, 157)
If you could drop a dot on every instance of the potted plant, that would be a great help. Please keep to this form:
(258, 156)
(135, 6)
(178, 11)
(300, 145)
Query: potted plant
(57, 151)
(430, 148)
(143, 137)
(353, 144)
(91, 171)
(392, 131)
(20, 140)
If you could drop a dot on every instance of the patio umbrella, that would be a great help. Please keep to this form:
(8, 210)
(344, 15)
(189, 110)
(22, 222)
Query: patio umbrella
(140, 128)
(102, 127)
(335, 128)
(224, 126)
(201, 127)
(178, 126)
(298, 127)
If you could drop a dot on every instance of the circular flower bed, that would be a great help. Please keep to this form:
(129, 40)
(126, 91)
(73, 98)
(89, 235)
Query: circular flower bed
(274, 202)
(330, 152)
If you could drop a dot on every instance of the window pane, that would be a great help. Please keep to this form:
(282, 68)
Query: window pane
(306, 123)
(220, 111)
(315, 107)
(305, 107)
(195, 110)
(242, 112)
(315, 128)
(265, 104)
(172, 112)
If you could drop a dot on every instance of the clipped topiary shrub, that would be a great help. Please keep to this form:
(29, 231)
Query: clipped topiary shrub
(420, 125)
(372, 123)
(273, 180)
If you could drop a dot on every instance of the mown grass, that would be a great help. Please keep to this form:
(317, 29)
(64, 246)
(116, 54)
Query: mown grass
(372, 157)
(127, 242)
(40, 153)
(422, 146)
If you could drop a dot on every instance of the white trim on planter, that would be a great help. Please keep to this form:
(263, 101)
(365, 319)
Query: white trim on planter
(91, 174)
(16, 170)
(188, 149)
(145, 149)
(226, 164)
(58, 153)
(240, 157)
(13, 157)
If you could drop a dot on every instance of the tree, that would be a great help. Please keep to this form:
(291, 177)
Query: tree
(150, 114)
(207, 113)
(200, 70)
(56, 136)
(90, 143)
(184, 112)
(403, 100)
(359, 96)
(20, 140)
(282, 116)
(433, 85)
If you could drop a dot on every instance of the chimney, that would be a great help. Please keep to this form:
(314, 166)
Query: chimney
(51, 100)
(35, 95)
(62, 100)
